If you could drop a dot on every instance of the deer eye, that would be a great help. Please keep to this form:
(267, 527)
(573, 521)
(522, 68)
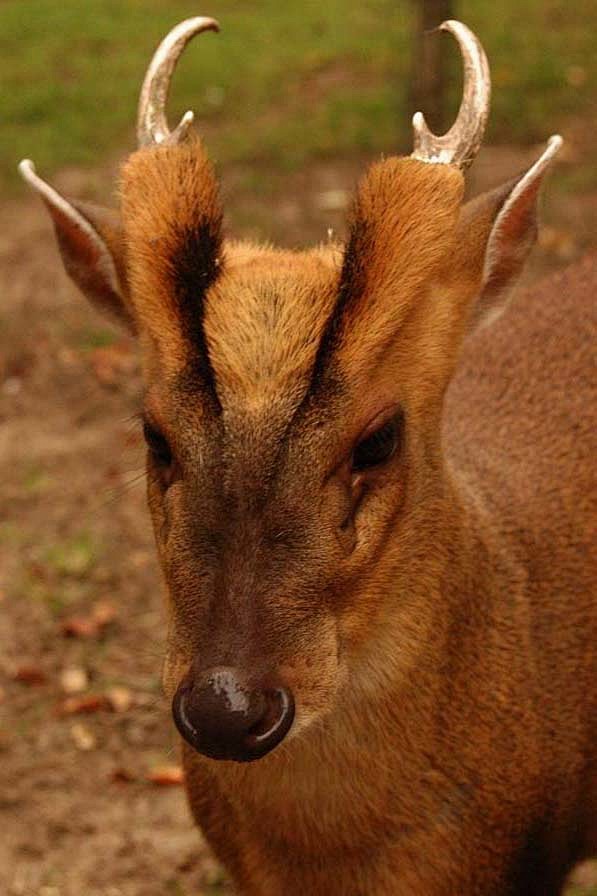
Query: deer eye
(379, 446)
(157, 444)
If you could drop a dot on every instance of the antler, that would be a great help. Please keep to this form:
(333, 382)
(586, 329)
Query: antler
(461, 143)
(152, 125)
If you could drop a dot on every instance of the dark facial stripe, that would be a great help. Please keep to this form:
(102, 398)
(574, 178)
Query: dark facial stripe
(196, 264)
(351, 287)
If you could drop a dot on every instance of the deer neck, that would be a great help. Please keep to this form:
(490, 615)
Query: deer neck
(437, 618)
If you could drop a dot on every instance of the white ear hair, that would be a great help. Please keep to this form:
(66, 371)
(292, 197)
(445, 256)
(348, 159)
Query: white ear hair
(511, 238)
(59, 204)
(533, 177)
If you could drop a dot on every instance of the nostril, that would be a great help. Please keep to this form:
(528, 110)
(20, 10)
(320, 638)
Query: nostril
(183, 714)
(275, 722)
(270, 715)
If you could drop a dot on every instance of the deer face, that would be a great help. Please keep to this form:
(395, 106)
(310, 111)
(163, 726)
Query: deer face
(283, 415)
(292, 410)
(247, 509)
(274, 491)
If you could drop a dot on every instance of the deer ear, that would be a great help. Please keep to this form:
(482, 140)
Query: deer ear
(91, 243)
(501, 227)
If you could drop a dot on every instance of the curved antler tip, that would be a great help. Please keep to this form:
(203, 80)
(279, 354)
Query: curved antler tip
(32, 179)
(182, 130)
(461, 143)
(202, 23)
(453, 26)
(27, 171)
(554, 145)
(152, 126)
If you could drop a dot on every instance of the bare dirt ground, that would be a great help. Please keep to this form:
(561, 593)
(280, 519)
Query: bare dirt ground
(90, 802)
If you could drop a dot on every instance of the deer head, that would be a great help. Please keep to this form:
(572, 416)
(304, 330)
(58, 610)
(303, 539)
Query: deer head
(292, 407)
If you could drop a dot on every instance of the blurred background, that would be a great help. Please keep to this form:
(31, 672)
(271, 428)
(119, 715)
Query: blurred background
(293, 100)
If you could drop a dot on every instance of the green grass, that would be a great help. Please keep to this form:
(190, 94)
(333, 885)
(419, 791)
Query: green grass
(58, 574)
(35, 480)
(73, 557)
(283, 83)
(90, 338)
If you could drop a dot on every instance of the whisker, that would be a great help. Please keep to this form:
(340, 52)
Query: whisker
(115, 493)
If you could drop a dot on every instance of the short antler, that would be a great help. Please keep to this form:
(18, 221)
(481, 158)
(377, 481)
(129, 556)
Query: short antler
(152, 125)
(462, 142)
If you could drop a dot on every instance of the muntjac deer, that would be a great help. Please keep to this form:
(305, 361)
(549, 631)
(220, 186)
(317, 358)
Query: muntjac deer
(371, 478)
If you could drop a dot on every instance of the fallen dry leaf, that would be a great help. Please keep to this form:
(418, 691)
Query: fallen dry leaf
(189, 863)
(112, 363)
(78, 627)
(166, 775)
(68, 357)
(119, 698)
(102, 614)
(116, 699)
(83, 705)
(73, 680)
(122, 776)
(83, 738)
(30, 675)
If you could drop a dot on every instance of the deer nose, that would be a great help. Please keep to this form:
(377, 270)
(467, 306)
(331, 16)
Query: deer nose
(223, 717)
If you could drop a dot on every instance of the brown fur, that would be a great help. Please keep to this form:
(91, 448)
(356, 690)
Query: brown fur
(434, 617)
(170, 206)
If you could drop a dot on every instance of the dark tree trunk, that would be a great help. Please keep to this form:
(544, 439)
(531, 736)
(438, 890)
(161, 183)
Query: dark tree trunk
(430, 52)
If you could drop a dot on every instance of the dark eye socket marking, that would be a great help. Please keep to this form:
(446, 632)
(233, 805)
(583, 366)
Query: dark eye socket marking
(157, 444)
(379, 446)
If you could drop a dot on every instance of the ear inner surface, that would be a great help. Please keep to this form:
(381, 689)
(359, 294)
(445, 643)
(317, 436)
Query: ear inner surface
(86, 256)
(512, 236)
(517, 217)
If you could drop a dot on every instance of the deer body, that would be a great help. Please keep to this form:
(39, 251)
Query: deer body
(372, 487)
(483, 751)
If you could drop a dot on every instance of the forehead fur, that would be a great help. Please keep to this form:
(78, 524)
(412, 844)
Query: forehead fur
(263, 323)
(402, 231)
(172, 222)
(264, 319)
